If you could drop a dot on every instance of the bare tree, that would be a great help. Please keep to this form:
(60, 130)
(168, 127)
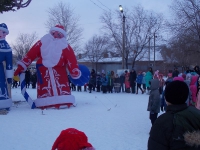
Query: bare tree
(186, 19)
(23, 44)
(12, 5)
(64, 15)
(96, 48)
(140, 26)
(184, 44)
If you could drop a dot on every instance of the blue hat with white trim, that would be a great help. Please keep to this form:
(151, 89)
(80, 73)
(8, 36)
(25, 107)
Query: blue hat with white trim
(4, 28)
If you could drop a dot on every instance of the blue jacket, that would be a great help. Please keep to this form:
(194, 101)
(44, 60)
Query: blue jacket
(104, 81)
(139, 79)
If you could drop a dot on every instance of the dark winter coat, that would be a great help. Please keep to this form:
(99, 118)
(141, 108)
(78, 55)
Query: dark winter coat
(175, 73)
(92, 81)
(27, 76)
(34, 78)
(177, 129)
(122, 78)
(197, 70)
(132, 77)
(98, 80)
(117, 80)
(154, 97)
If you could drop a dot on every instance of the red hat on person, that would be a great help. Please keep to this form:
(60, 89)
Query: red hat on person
(72, 139)
(60, 29)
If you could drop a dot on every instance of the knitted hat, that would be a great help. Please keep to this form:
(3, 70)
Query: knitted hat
(4, 28)
(60, 29)
(71, 139)
(176, 92)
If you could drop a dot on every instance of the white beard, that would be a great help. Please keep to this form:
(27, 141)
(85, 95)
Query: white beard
(51, 50)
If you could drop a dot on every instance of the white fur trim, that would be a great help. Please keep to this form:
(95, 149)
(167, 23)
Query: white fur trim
(7, 103)
(22, 64)
(9, 73)
(59, 30)
(54, 100)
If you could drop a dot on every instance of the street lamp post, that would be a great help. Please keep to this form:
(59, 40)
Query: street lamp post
(123, 36)
(154, 49)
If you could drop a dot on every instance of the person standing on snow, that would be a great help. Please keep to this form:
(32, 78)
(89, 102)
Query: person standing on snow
(179, 127)
(54, 55)
(154, 101)
(132, 79)
(148, 77)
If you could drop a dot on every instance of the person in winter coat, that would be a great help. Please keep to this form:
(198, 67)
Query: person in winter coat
(193, 89)
(197, 70)
(27, 77)
(33, 79)
(154, 101)
(98, 82)
(110, 81)
(91, 83)
(144, 82)
(104, 83)
(179, 127)
(175, 73)
(132, 79)
(127, 82)
(148, 77)
(93, 74)
(139, 82)
(122, 81)
(117, 84)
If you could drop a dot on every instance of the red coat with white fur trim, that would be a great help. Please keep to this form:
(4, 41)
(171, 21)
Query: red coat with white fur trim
(53, 85)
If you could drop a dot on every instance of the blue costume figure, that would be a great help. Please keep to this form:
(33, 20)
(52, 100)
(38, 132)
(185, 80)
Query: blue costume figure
(5, 56)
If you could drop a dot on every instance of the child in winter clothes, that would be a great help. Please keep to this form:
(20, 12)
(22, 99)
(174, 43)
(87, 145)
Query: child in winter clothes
(144, 82)
(98, 80)
(154, 100)
(104, 83)
(139, 82)
(127, 82)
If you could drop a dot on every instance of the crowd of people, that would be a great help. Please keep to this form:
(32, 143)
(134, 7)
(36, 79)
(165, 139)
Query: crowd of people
(30, 79)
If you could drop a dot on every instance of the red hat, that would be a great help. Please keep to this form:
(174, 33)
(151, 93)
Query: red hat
(71, 139)
(60, 29)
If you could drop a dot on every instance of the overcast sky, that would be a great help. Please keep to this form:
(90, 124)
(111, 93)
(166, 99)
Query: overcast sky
(33, 18)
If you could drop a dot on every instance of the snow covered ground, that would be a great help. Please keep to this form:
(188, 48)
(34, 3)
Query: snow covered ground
(112, 121)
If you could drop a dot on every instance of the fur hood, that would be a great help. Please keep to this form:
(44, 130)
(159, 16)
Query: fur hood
(192, 138)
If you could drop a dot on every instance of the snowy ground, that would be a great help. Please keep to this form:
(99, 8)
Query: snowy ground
(112, 121)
